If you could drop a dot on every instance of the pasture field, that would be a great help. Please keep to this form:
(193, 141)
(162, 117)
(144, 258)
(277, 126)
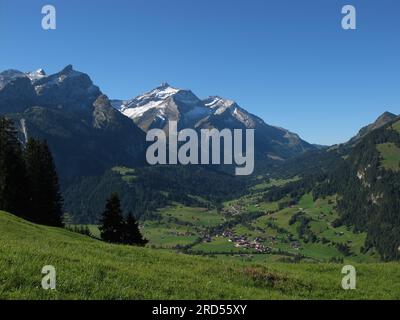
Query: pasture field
(90, 269)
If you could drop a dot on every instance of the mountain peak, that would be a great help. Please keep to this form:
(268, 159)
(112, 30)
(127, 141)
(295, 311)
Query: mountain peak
(165, 85)
(36, 75)
(162, 92)
(385, 117)
(164, 89)
(71, 89)
(9, 75)
(382, 120)
(41, 72)
(67, 69)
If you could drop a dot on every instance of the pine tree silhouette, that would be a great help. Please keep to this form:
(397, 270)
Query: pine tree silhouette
(13, 188)
(132, 233)
(112, 221)
(45, 198)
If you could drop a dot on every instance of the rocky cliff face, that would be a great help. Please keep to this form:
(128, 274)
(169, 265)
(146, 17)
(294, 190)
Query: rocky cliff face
(85, 133)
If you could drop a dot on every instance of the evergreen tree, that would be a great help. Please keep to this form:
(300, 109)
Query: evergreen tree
(45, 198)
(13, 188)
(132, 233)
(112, 221)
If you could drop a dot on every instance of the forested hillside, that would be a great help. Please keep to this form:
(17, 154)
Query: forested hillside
(369, 187)
(145, 189)
(363, 175)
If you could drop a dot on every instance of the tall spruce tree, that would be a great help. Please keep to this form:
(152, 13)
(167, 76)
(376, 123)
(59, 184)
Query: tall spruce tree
(45, 199)
(132, 233)
(112, 221)
(13, 188)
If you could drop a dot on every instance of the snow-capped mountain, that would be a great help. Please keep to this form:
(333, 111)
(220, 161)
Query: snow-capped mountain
(165, 103)
(232, 111)
(69, 89)
(11, 75)
(83, 126)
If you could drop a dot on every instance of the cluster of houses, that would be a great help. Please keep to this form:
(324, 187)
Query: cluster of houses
(244, 243)
(296, 245)
(233, 210)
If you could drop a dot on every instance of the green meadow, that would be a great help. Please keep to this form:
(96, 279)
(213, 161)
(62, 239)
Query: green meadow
(390, 154)
(90, 269)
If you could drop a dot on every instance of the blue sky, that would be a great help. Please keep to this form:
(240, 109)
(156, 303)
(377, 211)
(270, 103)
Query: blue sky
(289, 62)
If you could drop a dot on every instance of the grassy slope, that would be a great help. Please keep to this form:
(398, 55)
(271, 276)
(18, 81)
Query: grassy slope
(390, 156)
(89, 269)
(396, 126)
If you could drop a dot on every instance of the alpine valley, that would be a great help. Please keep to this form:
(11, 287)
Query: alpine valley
(304, 203)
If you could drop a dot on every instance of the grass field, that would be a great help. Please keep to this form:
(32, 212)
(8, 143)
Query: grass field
(390, 156)
(273, 183)
(396, 126)
(190, 215)
(89, 269)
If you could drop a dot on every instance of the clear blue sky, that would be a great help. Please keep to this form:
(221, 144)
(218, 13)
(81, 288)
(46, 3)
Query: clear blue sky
(289, 62)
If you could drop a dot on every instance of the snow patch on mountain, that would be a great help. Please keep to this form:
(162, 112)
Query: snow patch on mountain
(136, 107)
(218, 104)
(160, 93)
(215, 102)
(36, 75)
(135, 112)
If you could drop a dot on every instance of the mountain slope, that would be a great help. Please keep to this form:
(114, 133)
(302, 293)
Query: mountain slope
(270, 141)
(371, 189)
(90, 269)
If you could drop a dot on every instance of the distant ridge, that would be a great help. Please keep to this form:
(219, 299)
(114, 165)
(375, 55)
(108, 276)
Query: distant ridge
(383, 119)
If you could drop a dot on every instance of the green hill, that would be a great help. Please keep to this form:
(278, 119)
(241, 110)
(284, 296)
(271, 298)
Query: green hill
(89, 269)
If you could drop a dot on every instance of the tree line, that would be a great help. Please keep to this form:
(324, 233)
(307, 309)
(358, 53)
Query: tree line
(115, 228)
(29, 185)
